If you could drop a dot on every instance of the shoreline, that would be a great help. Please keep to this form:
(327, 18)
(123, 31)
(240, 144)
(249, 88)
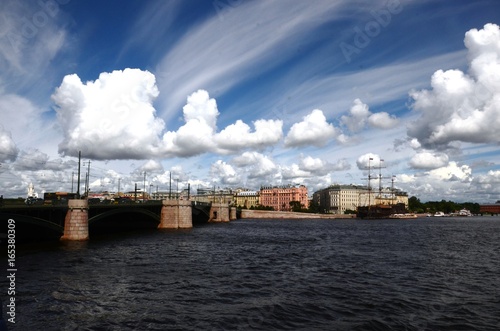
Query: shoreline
(271, 214)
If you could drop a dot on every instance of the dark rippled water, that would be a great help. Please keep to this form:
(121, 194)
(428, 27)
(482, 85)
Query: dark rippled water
(425, 274)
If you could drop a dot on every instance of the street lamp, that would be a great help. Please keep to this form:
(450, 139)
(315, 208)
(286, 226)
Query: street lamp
(144, 190)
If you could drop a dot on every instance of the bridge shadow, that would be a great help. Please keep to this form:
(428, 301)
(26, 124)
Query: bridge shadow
(125, 219)
(30, 229)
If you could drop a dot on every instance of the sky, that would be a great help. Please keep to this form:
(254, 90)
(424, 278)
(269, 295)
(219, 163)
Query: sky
(251, 93)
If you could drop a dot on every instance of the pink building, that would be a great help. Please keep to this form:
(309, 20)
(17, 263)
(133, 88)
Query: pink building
(279, 197)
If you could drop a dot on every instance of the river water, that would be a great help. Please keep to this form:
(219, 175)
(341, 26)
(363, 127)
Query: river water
(424, 274)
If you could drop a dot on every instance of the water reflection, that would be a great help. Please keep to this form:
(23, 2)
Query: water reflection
(74, 245)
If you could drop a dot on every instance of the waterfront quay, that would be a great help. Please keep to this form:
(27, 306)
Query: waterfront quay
(270, 214)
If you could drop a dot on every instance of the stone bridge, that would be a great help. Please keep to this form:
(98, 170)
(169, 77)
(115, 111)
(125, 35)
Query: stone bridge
(77, 220)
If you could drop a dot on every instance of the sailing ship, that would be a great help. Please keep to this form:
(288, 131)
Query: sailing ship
(380, 210)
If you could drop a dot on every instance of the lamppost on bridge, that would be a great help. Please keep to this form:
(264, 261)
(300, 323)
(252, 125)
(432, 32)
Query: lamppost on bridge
(87, 180)
(78, 183)
(170, 186)
(144, 190)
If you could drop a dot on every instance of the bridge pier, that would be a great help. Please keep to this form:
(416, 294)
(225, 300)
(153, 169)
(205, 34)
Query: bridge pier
(176, 214)
(232, 214)
(76, 222)
(219, 212)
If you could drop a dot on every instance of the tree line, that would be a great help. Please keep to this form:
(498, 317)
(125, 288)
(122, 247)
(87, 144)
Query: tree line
(416, 206)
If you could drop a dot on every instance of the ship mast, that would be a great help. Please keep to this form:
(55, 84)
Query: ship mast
(380, 178)
(369, 185)
(392, 189)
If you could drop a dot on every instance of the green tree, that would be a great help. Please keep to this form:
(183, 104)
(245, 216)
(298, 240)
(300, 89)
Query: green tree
(296, 206)
(445, 206)
(313, 207)
(415, 205)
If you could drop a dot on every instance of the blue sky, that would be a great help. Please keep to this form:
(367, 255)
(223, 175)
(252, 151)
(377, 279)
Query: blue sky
(234, 93)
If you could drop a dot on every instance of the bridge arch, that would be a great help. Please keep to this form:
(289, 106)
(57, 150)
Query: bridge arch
(123, 211)
(123, 219)
(201, 212)
(30, 227)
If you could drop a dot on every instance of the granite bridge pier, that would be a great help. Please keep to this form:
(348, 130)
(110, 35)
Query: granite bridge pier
(79, 220)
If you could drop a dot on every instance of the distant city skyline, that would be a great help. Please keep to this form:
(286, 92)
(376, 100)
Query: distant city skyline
(250, 94)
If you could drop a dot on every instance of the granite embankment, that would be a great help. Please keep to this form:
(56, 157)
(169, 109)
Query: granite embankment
(268, 214)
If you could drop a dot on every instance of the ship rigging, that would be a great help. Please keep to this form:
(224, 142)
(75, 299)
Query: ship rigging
(384, 204)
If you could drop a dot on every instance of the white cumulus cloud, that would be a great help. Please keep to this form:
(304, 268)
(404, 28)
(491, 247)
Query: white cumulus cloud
(238, 136)
(313, 130)
(196, 135)
(111, 117)
(452, 181)
(382, 121)
(488, 185)
(8, 149)
(319, 167)
(311, 164)
(360, 116)
(452, 172)
(224, 173)
(199, 134)
(257, 164)
(369, 160)
(152, 166)
(294, 173)
(463, 107)
(428, 160)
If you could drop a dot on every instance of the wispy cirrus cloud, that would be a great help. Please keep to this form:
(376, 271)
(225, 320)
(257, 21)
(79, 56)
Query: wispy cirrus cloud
(31, 36)
(232, 50)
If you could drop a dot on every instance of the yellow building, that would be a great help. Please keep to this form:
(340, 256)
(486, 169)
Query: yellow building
(138, 195)
(219, 195)
(390, 196)
(246, 199)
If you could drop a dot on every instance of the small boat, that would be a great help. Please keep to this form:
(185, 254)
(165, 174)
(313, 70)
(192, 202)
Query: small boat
(464, 212)
(403, 216)
(439, 214)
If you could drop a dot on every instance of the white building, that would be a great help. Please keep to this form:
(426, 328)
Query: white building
(336, 199)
